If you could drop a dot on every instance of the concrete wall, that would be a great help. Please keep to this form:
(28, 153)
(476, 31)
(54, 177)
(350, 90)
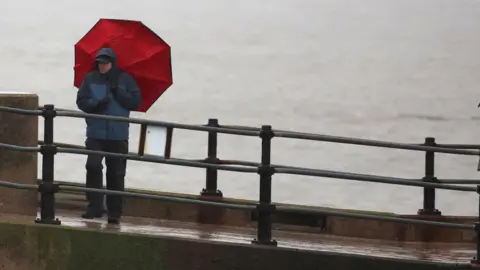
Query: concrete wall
(31, 246)
(15, 166)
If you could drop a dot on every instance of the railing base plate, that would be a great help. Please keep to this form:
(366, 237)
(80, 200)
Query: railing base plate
(48, 221)
(426, 212)
(265, 243)
(475, 263)
(208, 193)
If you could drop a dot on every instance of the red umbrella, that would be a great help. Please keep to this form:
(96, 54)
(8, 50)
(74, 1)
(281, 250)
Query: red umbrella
(141, 53)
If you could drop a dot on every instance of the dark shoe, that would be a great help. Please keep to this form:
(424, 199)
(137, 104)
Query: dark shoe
(92, 215)
(112, 220)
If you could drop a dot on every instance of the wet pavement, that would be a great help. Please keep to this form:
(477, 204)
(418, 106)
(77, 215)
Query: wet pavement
(440, 252)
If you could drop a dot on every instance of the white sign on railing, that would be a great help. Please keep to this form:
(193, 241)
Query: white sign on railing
(155, 141)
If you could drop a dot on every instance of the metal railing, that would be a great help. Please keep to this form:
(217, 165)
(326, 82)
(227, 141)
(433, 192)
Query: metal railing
(264, 208)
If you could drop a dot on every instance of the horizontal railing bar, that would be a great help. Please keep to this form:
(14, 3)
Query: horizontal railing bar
(158, 123)
(253, 131)
(301, 171)
(222, 162)
(20, 111)
(133, 194)
(375, 143)
(158, 197)
(459, 146)
(19, 148)
(459, 181)
(240, 127)
(371, 178)
(160, 160)
(375, 217)
(18, 186)
(278, 168)
(256, 164)
(443, 145)
(243, 206)
(59, 109)
(76, 146)
(238, 162)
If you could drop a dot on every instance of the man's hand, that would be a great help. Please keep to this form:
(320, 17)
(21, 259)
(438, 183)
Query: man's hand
(103, 104)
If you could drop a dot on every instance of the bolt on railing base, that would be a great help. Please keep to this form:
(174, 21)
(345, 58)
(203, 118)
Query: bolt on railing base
(428, 212)
(265, 243)
(48, 221)
(210, 193)
(476, 259)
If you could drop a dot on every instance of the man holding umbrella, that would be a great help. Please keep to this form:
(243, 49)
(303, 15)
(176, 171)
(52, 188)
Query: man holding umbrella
(136, 57)
(107, 90)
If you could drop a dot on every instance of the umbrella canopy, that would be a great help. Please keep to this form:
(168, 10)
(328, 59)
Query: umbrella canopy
(141, 53)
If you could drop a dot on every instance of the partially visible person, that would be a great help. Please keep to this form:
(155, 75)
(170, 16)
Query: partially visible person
(109, 91)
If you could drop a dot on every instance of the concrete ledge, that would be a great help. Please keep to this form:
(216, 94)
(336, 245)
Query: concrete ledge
(308, 223)
(32, 246)
(16, 166)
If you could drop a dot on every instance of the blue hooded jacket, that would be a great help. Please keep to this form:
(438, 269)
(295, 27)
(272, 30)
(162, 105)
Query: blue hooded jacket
(122, 92)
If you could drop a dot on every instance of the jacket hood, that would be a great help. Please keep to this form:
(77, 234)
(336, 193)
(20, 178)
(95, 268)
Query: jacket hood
(107, 52)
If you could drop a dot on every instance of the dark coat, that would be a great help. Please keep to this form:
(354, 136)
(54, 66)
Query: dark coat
(120, 93)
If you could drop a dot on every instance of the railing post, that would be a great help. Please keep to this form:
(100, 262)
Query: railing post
(476, 259)
(212, 174)
(429, 193)
(265, 208)
(47, 186)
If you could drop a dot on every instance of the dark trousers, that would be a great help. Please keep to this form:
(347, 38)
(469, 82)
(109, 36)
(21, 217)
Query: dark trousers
(116, 168)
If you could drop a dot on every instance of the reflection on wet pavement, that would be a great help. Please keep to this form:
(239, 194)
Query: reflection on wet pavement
(458, 253)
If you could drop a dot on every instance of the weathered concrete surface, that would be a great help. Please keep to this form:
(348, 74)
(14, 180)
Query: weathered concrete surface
(389, 230)
(32, 246)
(318, 224)
(15, 166)
(439, 252)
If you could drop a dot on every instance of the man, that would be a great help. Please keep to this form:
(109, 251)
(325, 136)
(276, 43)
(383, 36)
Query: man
(109, 91)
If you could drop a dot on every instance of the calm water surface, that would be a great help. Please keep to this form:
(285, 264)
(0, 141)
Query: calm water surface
(397, 70)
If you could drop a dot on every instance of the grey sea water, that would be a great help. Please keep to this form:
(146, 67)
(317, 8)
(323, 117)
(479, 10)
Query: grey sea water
(396, 70)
